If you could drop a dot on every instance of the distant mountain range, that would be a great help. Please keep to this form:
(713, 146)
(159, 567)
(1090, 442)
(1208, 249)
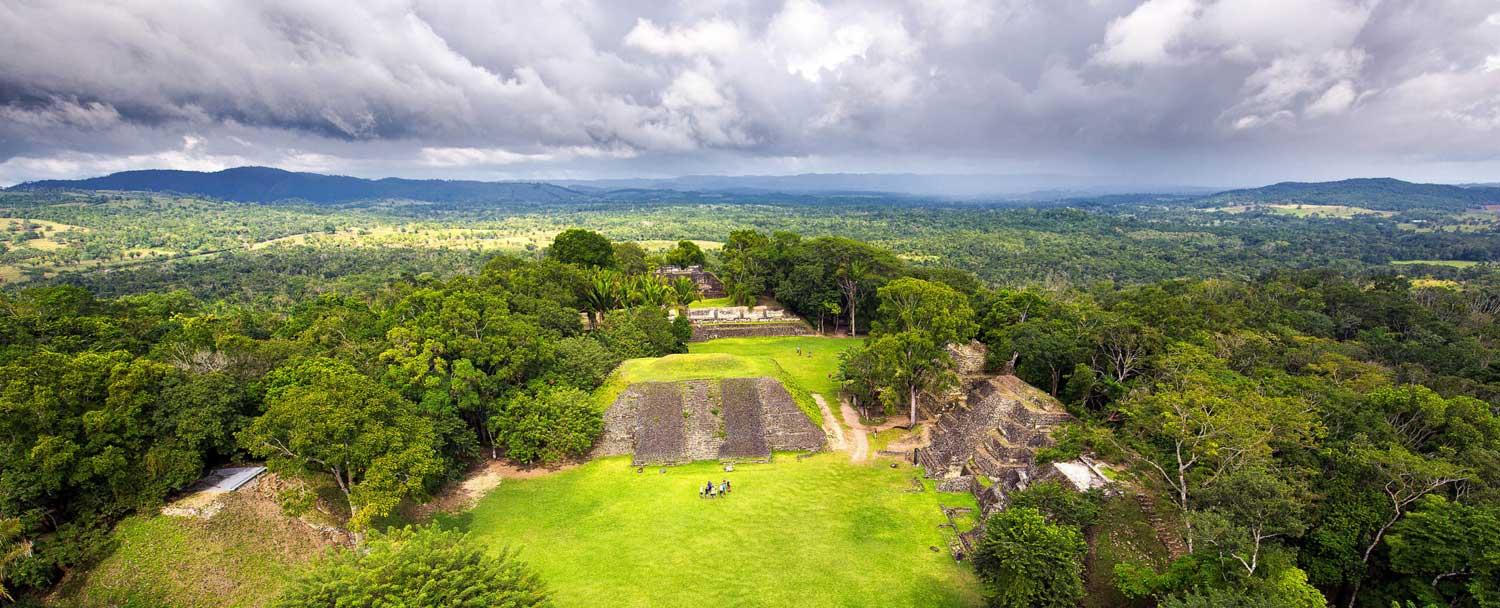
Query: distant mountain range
(1381, 193)
(1028, 186)
(263, 184)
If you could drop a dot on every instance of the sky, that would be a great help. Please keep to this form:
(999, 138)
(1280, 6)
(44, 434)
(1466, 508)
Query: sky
(1190, 92)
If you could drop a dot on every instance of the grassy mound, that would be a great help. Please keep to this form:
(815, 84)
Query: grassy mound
(812, 532)
(809, 372)
(242, 557)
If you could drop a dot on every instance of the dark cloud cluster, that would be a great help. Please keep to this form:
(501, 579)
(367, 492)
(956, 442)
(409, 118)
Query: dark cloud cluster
(1189, 91)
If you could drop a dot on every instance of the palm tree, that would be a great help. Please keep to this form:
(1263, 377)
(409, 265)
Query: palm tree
(602, 294)
(12, 548)
(685, 292)
(648, 290)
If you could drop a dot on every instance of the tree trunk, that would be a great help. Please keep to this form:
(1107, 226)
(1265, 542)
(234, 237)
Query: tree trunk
(913, 423)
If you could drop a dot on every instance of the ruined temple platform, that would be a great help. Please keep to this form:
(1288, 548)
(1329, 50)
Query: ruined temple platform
(734, 419)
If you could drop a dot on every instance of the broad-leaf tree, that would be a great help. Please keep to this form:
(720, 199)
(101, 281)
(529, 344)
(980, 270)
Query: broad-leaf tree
(425, 566)
(1027, 562)
(324, 416)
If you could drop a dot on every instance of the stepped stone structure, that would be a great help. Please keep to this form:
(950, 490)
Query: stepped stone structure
(743, 322)
(681, 422)
(708, 284)
(992, 431)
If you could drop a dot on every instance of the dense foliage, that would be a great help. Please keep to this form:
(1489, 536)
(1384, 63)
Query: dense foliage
(424, 566)
(1317, 425)
(1026, 561)
(112, 405)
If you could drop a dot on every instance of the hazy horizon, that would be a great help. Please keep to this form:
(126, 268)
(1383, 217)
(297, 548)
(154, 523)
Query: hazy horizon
(1189, 93)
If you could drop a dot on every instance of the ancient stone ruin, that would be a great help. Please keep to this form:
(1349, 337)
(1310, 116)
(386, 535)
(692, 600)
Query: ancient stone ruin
(986, 436)
(708, 284)
(744, 322)
(729, 419)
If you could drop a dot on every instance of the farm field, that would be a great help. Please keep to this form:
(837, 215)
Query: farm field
(813, 532)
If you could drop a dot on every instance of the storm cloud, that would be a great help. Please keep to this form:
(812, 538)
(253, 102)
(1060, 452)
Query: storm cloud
(1213, 92)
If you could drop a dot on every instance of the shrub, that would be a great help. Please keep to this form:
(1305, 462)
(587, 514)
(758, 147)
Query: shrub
(549, 425)
(1027, 562)
(417, 567)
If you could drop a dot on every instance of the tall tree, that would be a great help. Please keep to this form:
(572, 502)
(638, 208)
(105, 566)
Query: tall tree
(582, 247)
(1204, 423)
(934, 309)
(323, 416)
(908, 364)
(686, 253)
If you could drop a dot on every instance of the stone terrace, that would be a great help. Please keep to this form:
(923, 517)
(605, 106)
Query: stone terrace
(743, 420)
(730, 419)
(659, 424)
(787, 427)
(995, 432)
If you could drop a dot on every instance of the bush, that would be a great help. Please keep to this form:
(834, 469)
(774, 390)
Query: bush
(640, 332)
(583, 362)
(1060, 504)
(550, 425)
(1026, 562)
(417, 567)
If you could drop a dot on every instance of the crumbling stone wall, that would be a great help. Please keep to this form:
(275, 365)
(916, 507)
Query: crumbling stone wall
(677, 422)
(787, 428)
(708, 284)
(714, 331)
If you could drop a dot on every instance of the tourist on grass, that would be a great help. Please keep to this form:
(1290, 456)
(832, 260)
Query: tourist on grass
(724, 487)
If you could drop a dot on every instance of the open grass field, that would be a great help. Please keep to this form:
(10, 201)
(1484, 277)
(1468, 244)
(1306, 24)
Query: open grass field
(711, 303)
(242, 557)
(811, 370)
(776, 357)
(806, 533)
(1341, 211)
(1449, 263)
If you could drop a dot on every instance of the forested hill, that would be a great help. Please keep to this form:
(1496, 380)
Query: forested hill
(1372, 193)
(264, 184)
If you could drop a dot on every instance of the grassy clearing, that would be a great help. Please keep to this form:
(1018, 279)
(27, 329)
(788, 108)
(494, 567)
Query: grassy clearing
(242, 557)
(1437, 283)
(711, 303)
(742, 358)
(1339, 211)
(807, 533)
(812, 370)
(1448, 263)
(662, 245)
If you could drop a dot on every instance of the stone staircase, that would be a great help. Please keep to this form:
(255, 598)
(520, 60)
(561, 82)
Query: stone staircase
(704, 427)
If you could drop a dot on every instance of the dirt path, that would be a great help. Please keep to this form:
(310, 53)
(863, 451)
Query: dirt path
(831, 426)
(478, 482)
(861, 450)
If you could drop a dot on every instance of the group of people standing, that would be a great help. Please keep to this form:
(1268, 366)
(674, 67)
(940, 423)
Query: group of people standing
(710, 490)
